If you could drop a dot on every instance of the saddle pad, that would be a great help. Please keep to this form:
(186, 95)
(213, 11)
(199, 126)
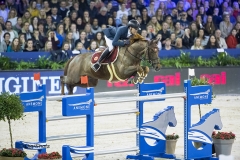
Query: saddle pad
(110, 59)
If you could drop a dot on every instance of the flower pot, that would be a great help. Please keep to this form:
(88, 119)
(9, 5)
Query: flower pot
(171, 146)
(11, 158)
(223, 146)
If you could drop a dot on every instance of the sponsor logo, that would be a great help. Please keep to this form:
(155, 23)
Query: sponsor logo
(169, 80)
(33, 102)
(81, 106)
(154, 92)
(201, 95)
(35, 146)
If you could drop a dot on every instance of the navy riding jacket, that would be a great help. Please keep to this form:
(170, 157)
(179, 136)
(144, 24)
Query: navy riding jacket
(116, 35)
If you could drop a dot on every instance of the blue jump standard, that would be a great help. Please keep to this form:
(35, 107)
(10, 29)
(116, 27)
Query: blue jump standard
(154, 129)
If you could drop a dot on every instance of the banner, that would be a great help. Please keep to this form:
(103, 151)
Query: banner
(226, 81)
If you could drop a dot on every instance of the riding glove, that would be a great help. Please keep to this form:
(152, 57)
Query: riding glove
(127, 42)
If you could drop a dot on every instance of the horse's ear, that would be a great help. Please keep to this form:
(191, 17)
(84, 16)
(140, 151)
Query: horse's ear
(155, 40)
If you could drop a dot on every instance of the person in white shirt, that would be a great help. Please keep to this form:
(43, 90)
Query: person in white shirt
(122, 11)
(197, 45)
(3, 10)
(221, 41)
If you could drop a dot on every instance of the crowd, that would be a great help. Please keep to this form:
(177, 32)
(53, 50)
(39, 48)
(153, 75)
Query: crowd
(75, 26)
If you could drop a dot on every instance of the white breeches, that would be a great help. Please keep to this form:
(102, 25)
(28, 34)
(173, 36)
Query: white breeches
(109, 43)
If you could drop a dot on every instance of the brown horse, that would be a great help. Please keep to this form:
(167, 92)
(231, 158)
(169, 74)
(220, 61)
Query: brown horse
(126, 65)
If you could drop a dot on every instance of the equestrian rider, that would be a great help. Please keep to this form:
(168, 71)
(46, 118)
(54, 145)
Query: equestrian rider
(118, 38)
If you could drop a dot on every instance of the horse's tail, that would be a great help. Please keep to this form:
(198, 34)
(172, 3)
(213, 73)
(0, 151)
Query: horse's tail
(66, 66)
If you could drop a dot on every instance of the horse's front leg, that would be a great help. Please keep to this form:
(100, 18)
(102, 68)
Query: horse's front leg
(133, 70)
(144, 74)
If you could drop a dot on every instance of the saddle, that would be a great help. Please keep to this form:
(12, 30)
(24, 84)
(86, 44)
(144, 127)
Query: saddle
(110, 59)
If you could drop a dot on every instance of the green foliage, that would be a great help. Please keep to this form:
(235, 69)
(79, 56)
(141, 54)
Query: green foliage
(41, 63)
(11, 107)
(172, 136)
(12, 152)
(185, 60)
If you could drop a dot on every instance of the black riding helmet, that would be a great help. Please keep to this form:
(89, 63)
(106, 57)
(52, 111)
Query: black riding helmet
(134, 24)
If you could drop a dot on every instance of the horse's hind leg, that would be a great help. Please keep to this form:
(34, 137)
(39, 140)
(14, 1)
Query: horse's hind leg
(62, 85)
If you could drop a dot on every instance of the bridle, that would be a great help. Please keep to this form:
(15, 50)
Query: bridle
(147, 54)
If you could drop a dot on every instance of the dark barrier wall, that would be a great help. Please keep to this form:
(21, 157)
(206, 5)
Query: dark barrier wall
(32, 56)
(226, 80)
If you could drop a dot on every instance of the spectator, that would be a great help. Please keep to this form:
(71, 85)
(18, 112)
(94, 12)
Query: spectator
(170, 6)
(133, 8)
(197, 45)
(177, 30)
(221, 41)
(111, 22)
(151, 9)
(236, 10)
(53, 38)
(26, 31)
(80, 25)
(23, 6)
(226, 26)
(48, 46)
(100, 39)
(186, 39)
(92, 9)
(46, 7)
(62, 10)
(86, 19)
(88, 31)
(174, 15)
(201, 35)
(216, 17)
(3, 10)
(75, 32)
(150, 32)
(15, 46)
(183, 20)
(9, 29)
(169, 21)
(178, 44)
(212, 5)
(133, 14)
(29, 46)
(66, 24)
(109, 9)
(102, 16)
(1, 34)
(42, 17)
(22, 41)
(93, 46)
(65, 53)
(164, 32)
(173, 38)
(73, 16)
(237, 27)
(76, 8)
(83, 39)
(122, 11)
(2, 22)
(232, 40)
(212, 43)
(69, 39)
(190, 15)
(144, 34)
(18, 26)
(159, 43)
(199, 22)
(12, 16)
(186, 5)
(160, 16)
(168, 45)
(41, 30)
(145, 17)
(203, 15)
(10, 4)
(162, 6)
(180, 6)
(209, 26)
(38, 40)
(193, 31)
(156, 26)
(55, 17)
(34, 24)
(5, 43)
(26, 17)
(34, 12)
(54, 3)
(78, 49)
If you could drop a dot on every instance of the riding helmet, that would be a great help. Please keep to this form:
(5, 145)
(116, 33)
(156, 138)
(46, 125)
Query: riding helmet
(134, 24)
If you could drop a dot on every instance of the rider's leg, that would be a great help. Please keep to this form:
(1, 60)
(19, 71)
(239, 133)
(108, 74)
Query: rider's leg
(97, 65)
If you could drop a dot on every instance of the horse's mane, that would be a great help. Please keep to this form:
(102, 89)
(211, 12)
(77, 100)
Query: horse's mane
(137, 37)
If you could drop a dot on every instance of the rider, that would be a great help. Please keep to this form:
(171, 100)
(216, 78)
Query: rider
(120, 38)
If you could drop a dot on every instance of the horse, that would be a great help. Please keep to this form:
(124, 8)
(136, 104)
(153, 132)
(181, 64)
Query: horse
(126, 64)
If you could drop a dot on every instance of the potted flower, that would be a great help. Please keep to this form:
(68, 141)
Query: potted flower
(11, 108)
(223, 142)
(52, 155)
(12, 154)
(171, 141)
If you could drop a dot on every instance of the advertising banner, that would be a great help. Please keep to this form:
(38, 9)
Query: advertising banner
(226, 81)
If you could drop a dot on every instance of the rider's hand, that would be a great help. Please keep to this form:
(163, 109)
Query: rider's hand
(127, 42)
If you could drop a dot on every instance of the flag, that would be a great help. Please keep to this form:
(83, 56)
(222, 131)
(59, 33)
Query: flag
(191, 72)
(36, 76)
(84, 80)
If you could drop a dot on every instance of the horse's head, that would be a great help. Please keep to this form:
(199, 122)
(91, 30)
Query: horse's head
(152, 55)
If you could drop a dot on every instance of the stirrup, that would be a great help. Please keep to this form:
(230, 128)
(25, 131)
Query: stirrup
(96, 68)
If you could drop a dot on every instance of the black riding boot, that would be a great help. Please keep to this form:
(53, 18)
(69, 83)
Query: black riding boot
(97, 65)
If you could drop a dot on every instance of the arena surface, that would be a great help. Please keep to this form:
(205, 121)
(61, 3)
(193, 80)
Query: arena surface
(27, 129)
